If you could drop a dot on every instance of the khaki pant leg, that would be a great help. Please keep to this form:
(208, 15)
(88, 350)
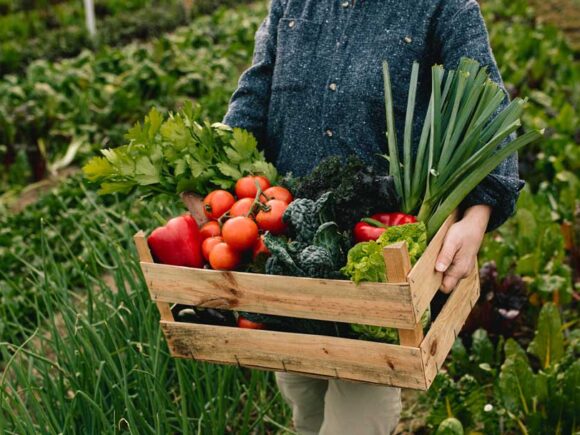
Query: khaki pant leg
(305, 396)
(360, 409)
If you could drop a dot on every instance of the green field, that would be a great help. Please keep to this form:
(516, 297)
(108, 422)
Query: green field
(80, 346)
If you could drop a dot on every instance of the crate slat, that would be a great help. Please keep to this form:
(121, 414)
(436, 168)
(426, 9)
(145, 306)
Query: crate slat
(335, 300)
(397, 266)
(329, 357)
(448, 323)
(146, 257)
(423, 278)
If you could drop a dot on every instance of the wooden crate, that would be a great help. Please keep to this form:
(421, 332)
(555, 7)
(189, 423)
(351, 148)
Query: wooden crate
(398, 303)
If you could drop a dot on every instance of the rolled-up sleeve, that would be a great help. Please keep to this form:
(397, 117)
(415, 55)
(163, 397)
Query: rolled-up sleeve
(248, 106)
(460, 32)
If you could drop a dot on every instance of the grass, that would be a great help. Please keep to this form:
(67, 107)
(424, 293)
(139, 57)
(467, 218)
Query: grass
(99, 362)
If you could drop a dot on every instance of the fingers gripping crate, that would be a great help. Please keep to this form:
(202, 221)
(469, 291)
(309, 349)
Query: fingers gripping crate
(399, 303)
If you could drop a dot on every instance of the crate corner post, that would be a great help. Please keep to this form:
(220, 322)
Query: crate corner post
(146, 257)
(398, 266)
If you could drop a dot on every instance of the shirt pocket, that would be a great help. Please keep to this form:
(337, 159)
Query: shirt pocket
(295, 53)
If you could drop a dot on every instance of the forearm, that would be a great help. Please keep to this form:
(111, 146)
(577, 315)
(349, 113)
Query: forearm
(478, 217)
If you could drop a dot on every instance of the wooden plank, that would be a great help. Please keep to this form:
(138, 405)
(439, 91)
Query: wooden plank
(411, 337)
(143, 248)
(424, 280)
(447, 325)
(398, 265)
(397, 262)
(146, 257)
(329, 357)
(378, 304)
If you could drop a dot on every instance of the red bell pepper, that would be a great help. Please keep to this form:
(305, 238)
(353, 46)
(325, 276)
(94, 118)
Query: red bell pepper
(178, 243)
(372, 228)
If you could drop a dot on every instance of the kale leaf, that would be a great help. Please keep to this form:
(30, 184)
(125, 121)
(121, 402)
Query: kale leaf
(358, 189)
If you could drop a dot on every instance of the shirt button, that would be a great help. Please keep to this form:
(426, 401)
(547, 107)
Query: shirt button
(329, 133)
(291, 24)
(332, 86)
(408, 39)
(345, 4)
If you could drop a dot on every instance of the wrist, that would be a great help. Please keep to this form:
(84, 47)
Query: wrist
(478, 216)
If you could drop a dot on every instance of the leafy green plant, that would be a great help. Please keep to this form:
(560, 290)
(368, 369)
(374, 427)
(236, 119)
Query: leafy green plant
(179, 154)
(536, 60)
(502, 392)
(365, 260)
(547, 400)
(537, 253)
(60, 112)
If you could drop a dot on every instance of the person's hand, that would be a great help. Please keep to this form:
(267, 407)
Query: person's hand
(194, 203)
(458, 254)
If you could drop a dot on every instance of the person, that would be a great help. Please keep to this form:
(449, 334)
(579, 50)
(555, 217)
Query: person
(314, 90)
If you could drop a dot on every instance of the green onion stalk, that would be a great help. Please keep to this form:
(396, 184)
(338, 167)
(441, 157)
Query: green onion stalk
(459, 142)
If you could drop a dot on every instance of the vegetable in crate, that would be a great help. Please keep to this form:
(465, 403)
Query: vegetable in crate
(181, 153)
(366, 263)
(178, 243)
(365, 260)
(458, 144)
(372, 228)
(316, 248)
(358, 190)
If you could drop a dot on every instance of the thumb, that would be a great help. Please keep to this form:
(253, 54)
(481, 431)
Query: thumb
(446, 255)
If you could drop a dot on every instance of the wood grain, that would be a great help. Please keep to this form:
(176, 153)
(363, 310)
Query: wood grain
(397, 266)
(397, 262)
(328, 357)
(423, 278)
(146, 257)
(378, 304)
(444, 330)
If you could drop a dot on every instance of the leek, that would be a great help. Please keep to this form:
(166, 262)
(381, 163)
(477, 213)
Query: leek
(458, 146)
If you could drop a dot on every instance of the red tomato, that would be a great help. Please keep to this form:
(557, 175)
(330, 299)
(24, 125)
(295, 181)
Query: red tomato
(217, 203)
(246, 186)
(208, 244)
(210, 229)
(278, 192)
(248, 324)
(271, 220)
(224, 257)
(242, 207)
(240, 233)
(260, 248)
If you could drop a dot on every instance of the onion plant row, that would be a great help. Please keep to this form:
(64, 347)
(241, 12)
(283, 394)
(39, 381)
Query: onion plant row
(98, 363)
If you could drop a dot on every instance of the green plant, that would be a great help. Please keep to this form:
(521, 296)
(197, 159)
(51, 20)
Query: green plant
(498, 394)
(59, 112)
(181, 153)
(458, 144)
(99, 362)
(546, 401)
(536, 253)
